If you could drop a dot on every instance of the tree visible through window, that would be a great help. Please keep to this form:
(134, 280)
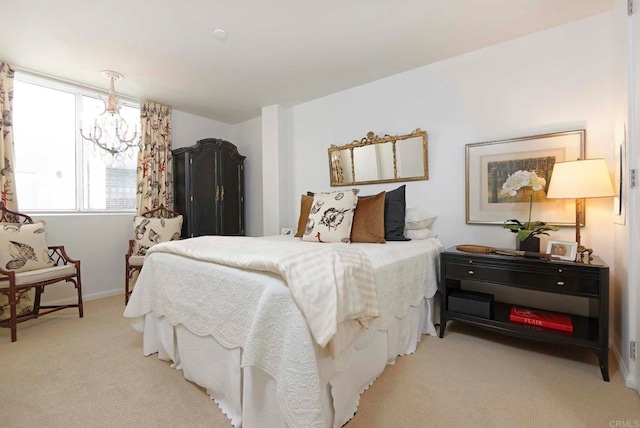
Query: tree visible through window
(56, 170)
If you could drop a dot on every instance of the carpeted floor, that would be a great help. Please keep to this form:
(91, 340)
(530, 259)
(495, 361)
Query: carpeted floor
(90, 372)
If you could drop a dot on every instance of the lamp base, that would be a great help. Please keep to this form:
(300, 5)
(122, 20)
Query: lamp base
(582, 250)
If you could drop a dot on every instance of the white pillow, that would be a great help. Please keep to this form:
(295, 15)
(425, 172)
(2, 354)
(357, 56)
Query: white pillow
(417, 218)
(150, 231)
(331, 217)
(23, 247)
(420, 233)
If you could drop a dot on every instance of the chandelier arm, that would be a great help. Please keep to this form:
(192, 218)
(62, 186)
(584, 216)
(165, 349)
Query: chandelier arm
(131, 143)
(95, 137)
(125, 129)
(112, 126)
(90, 138)
(97, 133)
(127, 142)
(104, 147)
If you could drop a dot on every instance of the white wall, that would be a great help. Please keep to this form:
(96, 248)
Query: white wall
(100, 241)
(634, 201)
(248, 137)
(275, 169)
(556, 80)
(188, 129)
(622, 306)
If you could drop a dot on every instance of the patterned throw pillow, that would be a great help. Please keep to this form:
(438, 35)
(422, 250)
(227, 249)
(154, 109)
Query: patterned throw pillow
(331, 217)
(23, 247)
(151, 231)
(305, 206)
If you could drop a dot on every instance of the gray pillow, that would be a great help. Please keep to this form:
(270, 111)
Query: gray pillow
(394, 210)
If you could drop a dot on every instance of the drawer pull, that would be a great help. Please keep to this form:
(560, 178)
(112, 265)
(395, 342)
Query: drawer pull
(471, 272)
(560, 270)
(470, 261)
(560, 282)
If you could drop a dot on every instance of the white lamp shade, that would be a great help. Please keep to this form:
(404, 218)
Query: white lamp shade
(588, 178)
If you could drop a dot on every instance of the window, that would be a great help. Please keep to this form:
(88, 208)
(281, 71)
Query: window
(55, 168)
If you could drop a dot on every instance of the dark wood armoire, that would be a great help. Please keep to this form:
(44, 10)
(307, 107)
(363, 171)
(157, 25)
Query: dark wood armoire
(209, 188)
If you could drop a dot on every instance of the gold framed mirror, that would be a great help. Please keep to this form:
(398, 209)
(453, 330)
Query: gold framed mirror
(374, 159)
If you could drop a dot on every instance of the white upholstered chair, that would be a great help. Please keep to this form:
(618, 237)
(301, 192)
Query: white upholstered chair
(28, 263)
(151, 227)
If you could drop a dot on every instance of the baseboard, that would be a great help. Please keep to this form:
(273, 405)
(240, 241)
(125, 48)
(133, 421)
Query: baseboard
(101, 294)
(87, 297)
(628, 378)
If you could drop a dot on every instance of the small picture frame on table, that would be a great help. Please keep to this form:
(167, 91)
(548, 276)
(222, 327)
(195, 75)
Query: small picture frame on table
(562, 250)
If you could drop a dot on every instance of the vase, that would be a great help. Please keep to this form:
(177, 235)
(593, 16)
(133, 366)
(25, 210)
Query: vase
(532, 243)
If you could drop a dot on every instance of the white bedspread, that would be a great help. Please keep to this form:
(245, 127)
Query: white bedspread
(330, 283)
(255, 311)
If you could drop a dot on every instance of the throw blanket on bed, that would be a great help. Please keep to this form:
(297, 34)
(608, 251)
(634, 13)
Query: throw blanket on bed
(330, 283)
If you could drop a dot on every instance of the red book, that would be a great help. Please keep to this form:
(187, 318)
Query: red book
(541, 318)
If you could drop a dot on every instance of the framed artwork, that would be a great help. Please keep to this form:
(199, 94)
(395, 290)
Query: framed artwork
(619, 176)
(562, 250)
(490, 164)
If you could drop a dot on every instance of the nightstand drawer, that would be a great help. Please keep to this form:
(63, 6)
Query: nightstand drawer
(564, 284)
(474, 272)
(549, 279)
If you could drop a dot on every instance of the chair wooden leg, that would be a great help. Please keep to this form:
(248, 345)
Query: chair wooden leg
(80, 307)
(79, 288)
(127, 273)
(13, 302)
(36, 302)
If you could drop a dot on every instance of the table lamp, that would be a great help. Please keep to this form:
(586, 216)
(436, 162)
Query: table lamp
(580, 179)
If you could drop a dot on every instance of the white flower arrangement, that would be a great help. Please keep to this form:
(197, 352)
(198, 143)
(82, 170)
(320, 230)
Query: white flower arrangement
(512, 184)
(520, 179)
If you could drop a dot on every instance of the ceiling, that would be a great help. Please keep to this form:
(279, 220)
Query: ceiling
(276, 52)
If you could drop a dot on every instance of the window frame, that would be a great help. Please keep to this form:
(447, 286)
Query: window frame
(78, 91)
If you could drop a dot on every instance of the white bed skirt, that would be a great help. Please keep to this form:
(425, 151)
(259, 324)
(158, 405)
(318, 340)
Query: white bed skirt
(247, 395)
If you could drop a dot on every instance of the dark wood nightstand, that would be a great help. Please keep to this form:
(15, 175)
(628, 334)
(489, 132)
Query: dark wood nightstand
(585, 280)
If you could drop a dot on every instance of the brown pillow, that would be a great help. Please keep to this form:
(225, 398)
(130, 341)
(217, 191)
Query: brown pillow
(305, 208)
(368, 220)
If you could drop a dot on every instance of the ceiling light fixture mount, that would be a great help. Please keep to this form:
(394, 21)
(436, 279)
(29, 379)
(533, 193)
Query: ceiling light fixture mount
(109, 130)
(220, 34)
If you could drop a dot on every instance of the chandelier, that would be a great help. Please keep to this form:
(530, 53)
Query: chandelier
(109, 132)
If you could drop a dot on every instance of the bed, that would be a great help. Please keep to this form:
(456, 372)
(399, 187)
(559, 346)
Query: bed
(243, 335)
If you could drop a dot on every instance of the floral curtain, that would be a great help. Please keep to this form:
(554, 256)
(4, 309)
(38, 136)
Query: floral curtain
(7, 181)
(155, 173)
